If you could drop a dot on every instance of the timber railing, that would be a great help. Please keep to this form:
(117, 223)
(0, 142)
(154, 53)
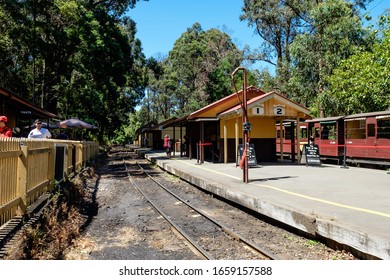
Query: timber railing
(30, 168)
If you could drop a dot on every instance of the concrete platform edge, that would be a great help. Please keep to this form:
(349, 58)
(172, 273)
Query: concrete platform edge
(362, 244)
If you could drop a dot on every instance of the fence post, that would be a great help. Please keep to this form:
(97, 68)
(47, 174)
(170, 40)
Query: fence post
(22, 178)
(52, 163)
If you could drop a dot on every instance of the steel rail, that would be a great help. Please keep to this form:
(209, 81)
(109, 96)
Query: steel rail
(177, 228)
(224, 227)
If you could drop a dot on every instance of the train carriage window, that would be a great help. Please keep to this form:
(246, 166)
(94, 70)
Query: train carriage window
(303, 132)
(384, 129)
(317, 132)
(328, 131)
(324, 132)
(356, 129)
(371, 130)
(287, 132)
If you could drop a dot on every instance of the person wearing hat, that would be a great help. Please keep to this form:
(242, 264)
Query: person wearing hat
(4, 130)
(39, 131)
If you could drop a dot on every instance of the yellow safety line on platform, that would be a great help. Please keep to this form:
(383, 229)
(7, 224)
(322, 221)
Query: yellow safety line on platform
(296, 194)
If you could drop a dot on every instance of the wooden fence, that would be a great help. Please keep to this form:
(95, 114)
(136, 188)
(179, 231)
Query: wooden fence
(30, 167)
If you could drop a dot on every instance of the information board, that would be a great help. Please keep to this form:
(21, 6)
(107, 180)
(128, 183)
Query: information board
(311, 155)
(252, 161)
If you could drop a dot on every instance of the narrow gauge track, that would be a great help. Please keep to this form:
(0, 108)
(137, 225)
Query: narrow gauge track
(208, 237)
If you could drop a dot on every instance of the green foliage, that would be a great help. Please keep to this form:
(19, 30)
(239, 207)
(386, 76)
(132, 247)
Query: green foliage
(306, 40)
(203, 61)
(73, 58)
(335, 33)
(361, 83)
(128, 130)
(277, 23)
(264, 80)
(82, 58)
(196, 72)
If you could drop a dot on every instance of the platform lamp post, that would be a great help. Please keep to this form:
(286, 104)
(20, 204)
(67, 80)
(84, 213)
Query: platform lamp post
(246, 126)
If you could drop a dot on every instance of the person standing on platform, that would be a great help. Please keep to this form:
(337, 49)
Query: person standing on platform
(167, 145)
(39, 131)
(146, 142)
(5, 131)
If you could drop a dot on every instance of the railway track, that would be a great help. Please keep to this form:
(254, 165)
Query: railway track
(206, 236)
(127, 227)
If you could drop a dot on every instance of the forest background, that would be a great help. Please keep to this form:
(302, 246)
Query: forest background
(82, 58)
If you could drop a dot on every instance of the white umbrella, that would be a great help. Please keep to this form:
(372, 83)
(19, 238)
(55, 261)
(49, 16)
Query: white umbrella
(73, 122)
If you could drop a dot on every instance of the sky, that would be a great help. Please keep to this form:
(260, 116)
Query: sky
(161, 22)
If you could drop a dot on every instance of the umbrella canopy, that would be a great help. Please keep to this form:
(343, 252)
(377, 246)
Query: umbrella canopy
(76, 123)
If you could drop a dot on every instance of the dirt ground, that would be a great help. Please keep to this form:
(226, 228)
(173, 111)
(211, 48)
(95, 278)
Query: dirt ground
(126, 227)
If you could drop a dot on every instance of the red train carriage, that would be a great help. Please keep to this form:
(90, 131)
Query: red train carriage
(368, 138)
(364, 138)
(328, 134)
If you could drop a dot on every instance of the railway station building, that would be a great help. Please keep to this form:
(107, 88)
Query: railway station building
(152, 135)
(214, 132)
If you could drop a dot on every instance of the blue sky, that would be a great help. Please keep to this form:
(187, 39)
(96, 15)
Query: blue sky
(161, 22)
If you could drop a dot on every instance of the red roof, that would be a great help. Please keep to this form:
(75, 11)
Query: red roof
(251, 91)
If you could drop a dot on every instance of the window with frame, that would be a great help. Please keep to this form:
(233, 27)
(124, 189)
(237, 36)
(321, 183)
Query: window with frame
(303, 133)
(371, 130)
(355, 129)
(288, 134)
(317, 132)
(328, 131)
(383, 129)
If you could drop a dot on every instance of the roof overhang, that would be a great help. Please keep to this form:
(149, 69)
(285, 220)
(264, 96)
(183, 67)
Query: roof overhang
(206, 119)
(178, 122)
(13, 97)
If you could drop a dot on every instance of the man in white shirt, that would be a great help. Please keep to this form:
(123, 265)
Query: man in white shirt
(39, 131)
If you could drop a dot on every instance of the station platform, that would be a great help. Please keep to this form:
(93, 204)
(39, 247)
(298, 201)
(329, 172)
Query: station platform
(347, 206)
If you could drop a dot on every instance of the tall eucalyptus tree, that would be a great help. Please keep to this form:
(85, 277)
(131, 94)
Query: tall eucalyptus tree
(202, 61)
(306, 40)
(73, 57)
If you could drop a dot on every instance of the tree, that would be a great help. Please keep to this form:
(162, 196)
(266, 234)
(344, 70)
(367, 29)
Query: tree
(128, 130)
(361, 83)
(159, 100)
(306, 40)
(277, 24)
(73, 57)
(202, 61)
(114, 81)
(336, 33)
